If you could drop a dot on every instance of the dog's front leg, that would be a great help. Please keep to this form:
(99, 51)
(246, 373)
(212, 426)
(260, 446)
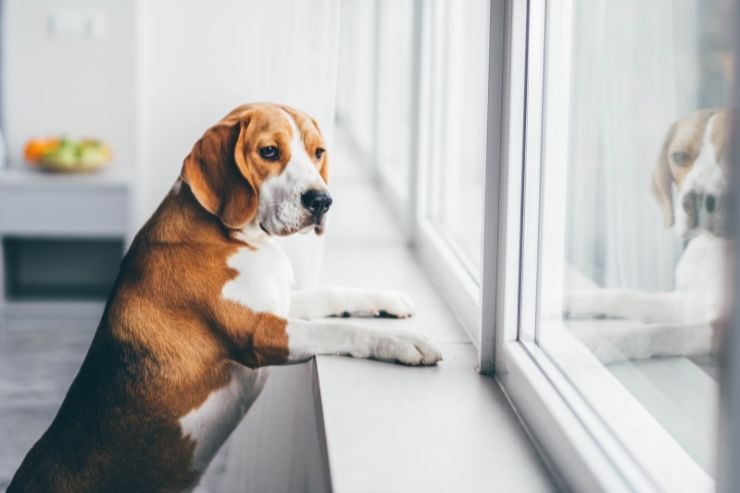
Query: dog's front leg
(649, 307)
(262, 339)
(341, 301)
(628, 342)
(310, 338)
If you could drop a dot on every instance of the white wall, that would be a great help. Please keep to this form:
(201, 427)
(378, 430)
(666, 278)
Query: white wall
(66, 84)
(199, 59)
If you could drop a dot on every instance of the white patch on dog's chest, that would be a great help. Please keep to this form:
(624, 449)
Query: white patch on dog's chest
(264, 280)
(212, 422)
(701, 275)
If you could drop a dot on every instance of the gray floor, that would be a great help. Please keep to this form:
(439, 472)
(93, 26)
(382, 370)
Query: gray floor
(38, 360)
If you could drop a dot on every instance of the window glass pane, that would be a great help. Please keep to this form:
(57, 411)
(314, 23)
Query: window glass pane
(394, 91)
(459, 70)
(632, 221)
(356, 79)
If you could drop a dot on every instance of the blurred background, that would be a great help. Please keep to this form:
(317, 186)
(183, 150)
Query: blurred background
(100, 101)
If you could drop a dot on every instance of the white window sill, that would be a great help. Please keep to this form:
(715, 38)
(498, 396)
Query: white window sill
(394, 428)
(390, 428)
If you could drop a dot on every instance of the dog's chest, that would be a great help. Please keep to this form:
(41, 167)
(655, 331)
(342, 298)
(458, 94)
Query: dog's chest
(211, 423)
(263, 281)
(700, 274)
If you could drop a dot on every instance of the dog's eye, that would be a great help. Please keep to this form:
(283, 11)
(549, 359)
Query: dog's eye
(269, 152)
(680, 157)
(319, 152)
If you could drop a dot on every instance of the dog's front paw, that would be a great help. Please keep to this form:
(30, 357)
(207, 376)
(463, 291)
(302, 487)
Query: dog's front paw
(394, 304)
(407, 349)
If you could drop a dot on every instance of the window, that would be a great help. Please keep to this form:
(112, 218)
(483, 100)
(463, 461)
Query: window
(592, 113)
(619, 101)
(452, 156)
(394, 92)
(458, 83)
(355, 89)
(422, 129)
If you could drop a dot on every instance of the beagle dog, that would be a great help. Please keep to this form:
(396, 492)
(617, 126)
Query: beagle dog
(690, 184)
(201, 305)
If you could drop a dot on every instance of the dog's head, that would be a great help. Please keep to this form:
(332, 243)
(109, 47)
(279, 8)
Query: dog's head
(265, 165)
(694, 158)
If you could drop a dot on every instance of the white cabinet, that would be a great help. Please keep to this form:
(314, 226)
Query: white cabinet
(61, 238)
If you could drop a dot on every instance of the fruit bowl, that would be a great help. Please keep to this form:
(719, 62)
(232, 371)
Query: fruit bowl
(63, 155)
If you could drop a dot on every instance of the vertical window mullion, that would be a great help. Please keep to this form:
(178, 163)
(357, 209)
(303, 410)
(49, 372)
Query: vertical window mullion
(416, 92)
(532, 170)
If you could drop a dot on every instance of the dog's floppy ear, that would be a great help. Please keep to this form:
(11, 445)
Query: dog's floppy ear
(218, 175)
(324, 170)
(662, 182)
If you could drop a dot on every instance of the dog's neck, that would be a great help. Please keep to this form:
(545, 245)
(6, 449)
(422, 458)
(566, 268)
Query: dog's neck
(181, 219)
(252, 235)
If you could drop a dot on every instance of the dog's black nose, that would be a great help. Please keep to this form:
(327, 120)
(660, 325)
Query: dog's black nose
(316, 201)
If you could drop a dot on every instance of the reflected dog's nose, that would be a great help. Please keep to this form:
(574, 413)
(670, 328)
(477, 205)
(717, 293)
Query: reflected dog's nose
(317, 202)
(698, 202)
(710, 202)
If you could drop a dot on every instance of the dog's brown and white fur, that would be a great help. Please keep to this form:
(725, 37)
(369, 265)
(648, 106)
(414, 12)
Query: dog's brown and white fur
(694, 161)
(202, 302)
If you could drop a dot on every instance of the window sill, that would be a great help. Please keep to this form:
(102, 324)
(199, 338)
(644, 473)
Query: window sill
(390, 428)
(395, 428)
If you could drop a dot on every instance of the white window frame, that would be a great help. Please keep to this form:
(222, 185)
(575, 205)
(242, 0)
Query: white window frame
(579, 443)
(446, 265)
(442, 259)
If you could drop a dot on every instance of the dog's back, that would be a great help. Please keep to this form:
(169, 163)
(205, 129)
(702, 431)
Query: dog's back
(118, 428)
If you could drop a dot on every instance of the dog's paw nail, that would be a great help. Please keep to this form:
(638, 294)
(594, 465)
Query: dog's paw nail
(397, 304)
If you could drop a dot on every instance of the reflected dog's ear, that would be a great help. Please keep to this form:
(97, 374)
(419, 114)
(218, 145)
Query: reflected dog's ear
(219, 176)
(662, 182)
